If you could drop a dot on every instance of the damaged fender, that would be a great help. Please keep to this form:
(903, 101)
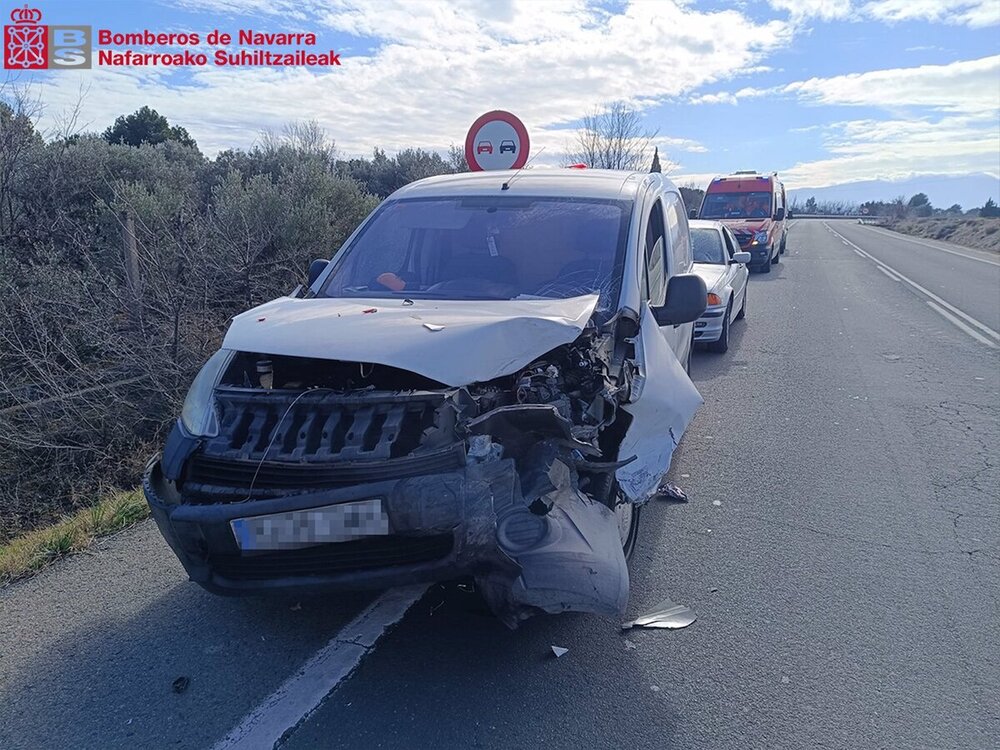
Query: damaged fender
(668, 403)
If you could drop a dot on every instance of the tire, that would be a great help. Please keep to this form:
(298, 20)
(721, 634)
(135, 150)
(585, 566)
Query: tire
(687, 362)
(766, 268)
(743, 308)
(777, 258)
(628, 513)
(605, 490)
(722, 345)
(782, 251)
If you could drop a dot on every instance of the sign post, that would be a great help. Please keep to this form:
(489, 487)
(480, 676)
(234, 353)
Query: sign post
(496, 140)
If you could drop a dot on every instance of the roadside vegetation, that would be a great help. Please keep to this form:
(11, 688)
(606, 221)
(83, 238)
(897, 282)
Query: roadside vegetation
(34, 550)
(963, 230)
(122, 257)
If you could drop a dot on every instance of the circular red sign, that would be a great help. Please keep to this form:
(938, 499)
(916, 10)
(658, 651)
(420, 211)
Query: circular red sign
(496, 140)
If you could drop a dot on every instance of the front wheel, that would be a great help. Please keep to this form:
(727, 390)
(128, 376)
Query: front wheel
(777, 257)
(722, 345)
(743, 308)
(627, 516)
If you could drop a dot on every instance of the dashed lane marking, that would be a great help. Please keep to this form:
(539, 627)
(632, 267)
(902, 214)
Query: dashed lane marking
(942, 306)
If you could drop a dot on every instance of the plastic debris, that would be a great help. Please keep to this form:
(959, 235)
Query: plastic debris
(296, 607)
(629, 646)
(559, 651)
(666, 614)
(670, 491)
(716, 502)
(433, 327)
(655, 688)
(180, 684)
(370, 310)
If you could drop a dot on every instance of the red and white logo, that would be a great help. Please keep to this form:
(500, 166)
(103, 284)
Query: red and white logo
(26, 42)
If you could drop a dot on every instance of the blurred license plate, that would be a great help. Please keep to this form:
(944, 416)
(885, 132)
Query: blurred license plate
(305, 528)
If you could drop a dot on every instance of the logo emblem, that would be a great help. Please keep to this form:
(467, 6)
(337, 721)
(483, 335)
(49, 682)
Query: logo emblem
(26, 43)
(30, 45)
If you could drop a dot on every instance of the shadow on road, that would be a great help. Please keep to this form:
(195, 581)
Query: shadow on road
(111, 686)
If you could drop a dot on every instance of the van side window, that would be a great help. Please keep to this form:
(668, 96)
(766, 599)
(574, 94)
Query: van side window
(677, 231)
(656, 272)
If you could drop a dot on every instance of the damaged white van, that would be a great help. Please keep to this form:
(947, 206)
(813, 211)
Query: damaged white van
(488, 380)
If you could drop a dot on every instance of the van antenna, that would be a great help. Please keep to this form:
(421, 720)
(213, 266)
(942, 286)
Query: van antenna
(506, 185)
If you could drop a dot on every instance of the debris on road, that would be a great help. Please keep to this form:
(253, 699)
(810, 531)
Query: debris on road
(296, 607)
(629, 646)
(666, 614)
(670, 491)
(180, 684)
(559, 651)
(716, 503)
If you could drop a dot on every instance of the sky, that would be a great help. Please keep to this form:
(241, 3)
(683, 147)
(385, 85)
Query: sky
(822, 91)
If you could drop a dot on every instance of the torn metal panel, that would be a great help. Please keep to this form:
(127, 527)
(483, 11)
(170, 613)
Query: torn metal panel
(666, 615)
(668, 403)
(467, 341)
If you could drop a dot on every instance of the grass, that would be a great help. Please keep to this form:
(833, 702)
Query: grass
(30, 553)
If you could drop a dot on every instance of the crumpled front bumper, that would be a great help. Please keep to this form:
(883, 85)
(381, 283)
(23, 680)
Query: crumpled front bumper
(471, 522)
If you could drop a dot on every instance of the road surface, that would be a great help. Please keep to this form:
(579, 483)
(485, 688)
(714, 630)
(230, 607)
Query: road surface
(841, 548)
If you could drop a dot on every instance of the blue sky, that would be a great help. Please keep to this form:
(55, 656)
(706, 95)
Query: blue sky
(823, 91)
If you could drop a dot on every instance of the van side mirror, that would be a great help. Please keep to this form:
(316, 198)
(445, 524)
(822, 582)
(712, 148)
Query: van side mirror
(316, 268)
(693, 213)
(779, 215)
(687, 299)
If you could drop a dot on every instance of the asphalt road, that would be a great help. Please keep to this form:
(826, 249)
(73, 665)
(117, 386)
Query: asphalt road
(841, 547)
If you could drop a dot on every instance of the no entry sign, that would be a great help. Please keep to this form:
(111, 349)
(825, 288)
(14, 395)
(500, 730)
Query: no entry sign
(496, 140)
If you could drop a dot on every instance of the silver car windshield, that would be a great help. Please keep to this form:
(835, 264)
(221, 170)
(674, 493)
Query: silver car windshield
(486, 247)
(706, 245)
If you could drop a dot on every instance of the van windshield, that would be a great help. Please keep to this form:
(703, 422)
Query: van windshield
(486, 247)
(736, 206)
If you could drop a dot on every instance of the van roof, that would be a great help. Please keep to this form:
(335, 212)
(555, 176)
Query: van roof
(570, 183)
(741, 183)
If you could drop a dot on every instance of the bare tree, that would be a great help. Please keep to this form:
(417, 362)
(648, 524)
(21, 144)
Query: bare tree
(307, 137)
(613, 137)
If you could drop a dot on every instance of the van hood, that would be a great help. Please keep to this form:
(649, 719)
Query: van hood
(455, 342)
(750, 225)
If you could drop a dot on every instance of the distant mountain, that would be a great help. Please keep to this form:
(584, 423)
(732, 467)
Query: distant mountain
(969, 191)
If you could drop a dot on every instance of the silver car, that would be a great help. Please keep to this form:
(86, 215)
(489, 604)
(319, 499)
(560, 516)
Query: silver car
(720, 262)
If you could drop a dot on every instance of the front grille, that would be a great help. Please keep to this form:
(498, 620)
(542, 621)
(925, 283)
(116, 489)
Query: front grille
(329, 559)
(743, 237)
(320, 425)
(209, 475)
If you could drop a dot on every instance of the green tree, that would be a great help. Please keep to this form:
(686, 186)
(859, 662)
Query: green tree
(920, 205)
(146, 125)
(811, 205)
(990, 209)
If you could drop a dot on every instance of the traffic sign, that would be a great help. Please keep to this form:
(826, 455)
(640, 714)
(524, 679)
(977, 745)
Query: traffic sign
(496, 140)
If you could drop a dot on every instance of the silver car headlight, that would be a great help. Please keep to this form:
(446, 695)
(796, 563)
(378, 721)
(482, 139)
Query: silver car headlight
(198, 413)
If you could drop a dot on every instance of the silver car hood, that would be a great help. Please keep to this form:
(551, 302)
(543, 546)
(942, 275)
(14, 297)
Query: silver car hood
(455, 342)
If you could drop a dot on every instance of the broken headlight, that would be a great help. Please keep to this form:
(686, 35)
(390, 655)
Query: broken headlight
(198, 413)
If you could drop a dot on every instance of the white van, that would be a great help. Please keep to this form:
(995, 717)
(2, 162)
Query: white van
(487, 380)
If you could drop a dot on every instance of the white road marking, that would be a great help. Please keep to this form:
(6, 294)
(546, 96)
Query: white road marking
(926, 292)
(948, 316)
(302, 693)
(890, 274)
(898, 236)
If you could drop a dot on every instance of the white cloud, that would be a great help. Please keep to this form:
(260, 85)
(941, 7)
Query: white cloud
(897, 149)
(825, 10)
(964, 86)
(973, 13)
(439, 65)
